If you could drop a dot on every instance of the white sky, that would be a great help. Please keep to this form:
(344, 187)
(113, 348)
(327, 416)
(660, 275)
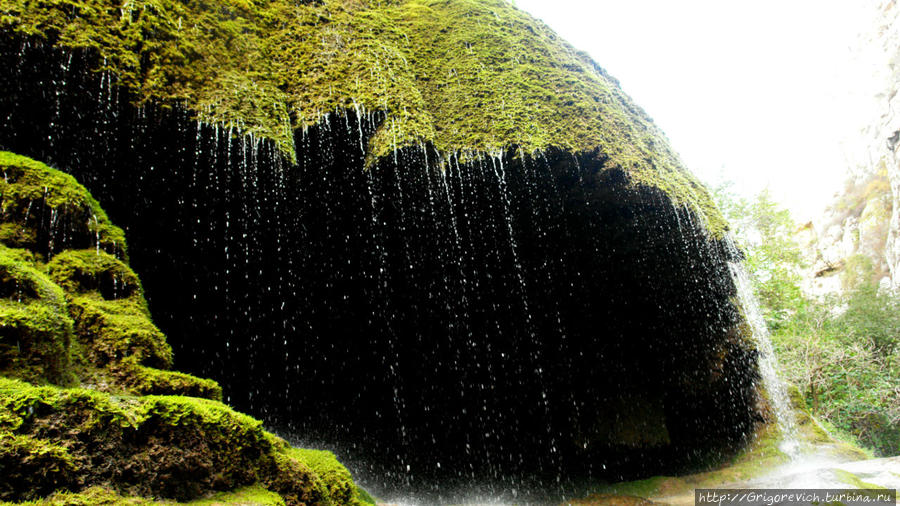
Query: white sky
(761, 93)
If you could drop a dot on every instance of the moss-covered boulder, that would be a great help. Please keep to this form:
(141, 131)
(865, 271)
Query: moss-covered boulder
(82, 366)
(454, 219)
(48, 211)
(35, 326)
(466, 76)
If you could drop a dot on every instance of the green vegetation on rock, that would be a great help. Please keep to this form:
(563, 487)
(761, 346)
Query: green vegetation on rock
(470, 77)
(46, 211)
(334, 476)
(143, 380)
(35, 327)
(88, 413)
(104, 496)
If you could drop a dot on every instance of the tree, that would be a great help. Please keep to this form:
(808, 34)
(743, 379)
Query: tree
(765, 231)
(841, 352)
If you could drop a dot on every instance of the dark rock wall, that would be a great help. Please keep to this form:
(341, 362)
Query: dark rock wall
(504, 320)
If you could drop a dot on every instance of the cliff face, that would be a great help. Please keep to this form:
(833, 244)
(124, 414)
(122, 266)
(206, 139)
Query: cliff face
(858, 236)
(850, 243)
(883, 133)
(426, 233)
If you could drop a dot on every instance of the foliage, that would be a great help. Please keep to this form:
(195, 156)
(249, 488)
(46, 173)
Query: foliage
(765, 233)
(841, 352)
(846, 365)
(872, 317)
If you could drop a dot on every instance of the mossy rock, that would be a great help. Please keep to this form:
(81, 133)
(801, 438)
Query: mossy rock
(255, 495)
(119, 329)
(78, 316)
(113, 326)
(107, 303)
(35, 327)
(171, 447)
(334, 475)
(296, 482)
(469, 77)
(46, 211)
(33, 464)
(141, 380)
(86, 271)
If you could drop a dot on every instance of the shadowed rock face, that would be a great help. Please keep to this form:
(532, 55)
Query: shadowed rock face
(504, 320)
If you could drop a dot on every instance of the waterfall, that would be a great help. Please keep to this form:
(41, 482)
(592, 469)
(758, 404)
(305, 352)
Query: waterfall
(768, 362)
(519, 319)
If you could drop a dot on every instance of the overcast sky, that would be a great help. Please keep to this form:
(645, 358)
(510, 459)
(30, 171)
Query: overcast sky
(762, 91)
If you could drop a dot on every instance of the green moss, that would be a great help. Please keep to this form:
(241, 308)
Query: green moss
(121, 446)
(115, 330)
(141, 380)
(33, 464)
(111, 317)
(85, 271)
(35, 328)
(639, 488)
(365, 497)
(94, 496)
(853, 481)
(334, 475)
(470, 77)
(174, 447)
(103, 496)
(255, 495)
(847, 446)
(36, 200)
(811, 432)
(295, 481)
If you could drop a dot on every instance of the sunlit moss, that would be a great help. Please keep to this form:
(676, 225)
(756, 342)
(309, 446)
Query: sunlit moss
(142, 380)
(470, 77)
(256, 495)
(334, 475)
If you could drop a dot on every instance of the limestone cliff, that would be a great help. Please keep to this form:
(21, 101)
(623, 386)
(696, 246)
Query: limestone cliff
(883, 133)
(858, 236)
(849, 243)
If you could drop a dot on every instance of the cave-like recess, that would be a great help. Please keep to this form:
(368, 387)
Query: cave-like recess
(508, 321)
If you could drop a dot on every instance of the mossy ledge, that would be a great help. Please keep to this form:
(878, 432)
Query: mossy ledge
(470, 77)
(78, 356)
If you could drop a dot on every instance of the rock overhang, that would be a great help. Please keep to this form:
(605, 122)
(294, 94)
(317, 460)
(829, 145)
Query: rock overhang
(469, 77)
(615, 239)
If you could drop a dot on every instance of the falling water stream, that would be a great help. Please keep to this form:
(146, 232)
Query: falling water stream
(506, 323)
(768, 363)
